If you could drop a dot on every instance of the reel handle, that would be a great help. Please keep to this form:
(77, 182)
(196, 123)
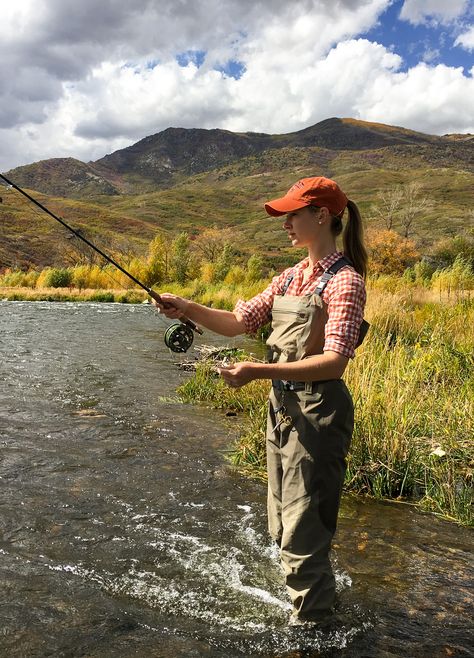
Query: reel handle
(189, 323)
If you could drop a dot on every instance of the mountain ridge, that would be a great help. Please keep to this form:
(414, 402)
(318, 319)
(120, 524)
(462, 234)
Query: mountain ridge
(161, 160)
(120, 211)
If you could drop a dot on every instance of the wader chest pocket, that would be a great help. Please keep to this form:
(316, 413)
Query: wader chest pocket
(299, 316)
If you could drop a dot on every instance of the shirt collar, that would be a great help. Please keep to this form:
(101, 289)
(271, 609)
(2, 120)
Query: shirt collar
(323, 264)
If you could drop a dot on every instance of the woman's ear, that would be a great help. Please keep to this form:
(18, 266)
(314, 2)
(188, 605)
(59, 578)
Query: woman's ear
(324, 215)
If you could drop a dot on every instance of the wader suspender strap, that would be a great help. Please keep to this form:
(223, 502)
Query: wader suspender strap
(329, 273)
(286, 285)
(326, 277)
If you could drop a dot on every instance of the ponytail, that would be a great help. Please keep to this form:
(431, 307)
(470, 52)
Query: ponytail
(353, 240)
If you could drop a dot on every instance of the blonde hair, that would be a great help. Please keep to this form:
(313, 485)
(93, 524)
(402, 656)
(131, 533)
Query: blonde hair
(352, 237)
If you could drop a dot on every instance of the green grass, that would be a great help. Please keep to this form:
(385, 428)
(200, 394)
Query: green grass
(413, 386)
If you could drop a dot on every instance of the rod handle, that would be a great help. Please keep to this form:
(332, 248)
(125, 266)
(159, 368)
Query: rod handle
(154, 295)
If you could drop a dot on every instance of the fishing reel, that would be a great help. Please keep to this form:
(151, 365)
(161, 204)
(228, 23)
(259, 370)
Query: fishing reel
(179, 337)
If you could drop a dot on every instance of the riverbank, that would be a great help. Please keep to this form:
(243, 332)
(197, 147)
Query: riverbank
(23, 293)
(413, 387)
(412, 383)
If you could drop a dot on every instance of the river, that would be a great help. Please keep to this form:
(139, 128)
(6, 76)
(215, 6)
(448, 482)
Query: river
(123, 531)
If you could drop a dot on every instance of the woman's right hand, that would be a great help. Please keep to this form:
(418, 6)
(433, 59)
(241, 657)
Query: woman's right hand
(172, 306)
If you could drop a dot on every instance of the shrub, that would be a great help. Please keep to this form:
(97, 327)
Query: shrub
(19, 278)
(53, 277)
(458, 277)
(208, 272)
(421, 273)
(102, 297)
(445, 252)
(389, 252)
(254, 268)
(234, 276)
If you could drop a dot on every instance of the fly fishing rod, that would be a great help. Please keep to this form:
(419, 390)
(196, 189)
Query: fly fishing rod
(179, 335)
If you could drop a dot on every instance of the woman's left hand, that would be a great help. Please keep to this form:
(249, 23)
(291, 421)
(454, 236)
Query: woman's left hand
(238, 374)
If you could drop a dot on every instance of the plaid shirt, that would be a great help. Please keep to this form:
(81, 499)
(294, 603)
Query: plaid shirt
(344, 295)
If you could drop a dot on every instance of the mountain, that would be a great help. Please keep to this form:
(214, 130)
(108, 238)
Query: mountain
(188, 180)
(160, 159)
(65, 177)
(166, 158)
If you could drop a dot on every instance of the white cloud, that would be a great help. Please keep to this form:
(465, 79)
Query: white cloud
(90, 77)
(444, 104)
(442, 11)
(466, 39)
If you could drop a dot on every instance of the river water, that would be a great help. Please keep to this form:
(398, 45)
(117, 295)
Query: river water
(123, 531)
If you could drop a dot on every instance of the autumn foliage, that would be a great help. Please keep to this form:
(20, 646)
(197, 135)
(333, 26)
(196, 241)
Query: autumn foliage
(389, 252)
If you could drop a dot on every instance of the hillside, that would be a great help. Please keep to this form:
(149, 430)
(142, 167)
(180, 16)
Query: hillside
(164, 159)
(232, 194)
(65, 177)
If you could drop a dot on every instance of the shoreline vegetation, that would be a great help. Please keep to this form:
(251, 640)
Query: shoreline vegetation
(412, 382)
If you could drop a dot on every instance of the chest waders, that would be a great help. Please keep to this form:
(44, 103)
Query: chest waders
(309, 430)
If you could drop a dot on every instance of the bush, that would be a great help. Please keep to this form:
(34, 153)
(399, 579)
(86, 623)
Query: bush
(102, 297)
(254, 268)
(53, 277)
(19, 278)
(421, 273)
(208, 272)
(389, 252)
(445, 252)
(234, 276)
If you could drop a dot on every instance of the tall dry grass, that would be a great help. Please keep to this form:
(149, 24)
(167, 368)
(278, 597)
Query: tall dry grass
(413, 386)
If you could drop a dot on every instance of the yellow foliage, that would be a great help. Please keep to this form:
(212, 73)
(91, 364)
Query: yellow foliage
(41, 280)
(235, 275)
(18, 278)
(208, 272)
(389, 252)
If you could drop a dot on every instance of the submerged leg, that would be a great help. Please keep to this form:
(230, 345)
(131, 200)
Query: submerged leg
(312, 474)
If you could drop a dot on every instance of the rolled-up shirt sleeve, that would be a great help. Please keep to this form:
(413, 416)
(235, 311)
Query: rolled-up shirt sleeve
(345, 297)
(257, 311)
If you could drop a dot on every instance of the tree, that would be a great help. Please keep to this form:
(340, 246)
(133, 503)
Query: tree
(387, 206)
(211, 242)
(180, 258)
(400, 206)
(413, 204)
(77, 252)
(157, 264)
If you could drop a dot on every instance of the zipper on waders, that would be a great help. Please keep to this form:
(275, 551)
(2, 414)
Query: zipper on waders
(299, 314)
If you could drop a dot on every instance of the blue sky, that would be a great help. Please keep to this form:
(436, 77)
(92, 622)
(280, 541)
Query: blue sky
(92, 77)
(430, 41)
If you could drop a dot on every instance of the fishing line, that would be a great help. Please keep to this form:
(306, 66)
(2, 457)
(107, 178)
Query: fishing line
(179, 336)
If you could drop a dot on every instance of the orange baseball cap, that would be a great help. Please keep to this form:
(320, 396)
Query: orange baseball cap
(318, 191)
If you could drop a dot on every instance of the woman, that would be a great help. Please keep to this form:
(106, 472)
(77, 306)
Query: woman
(316, 309)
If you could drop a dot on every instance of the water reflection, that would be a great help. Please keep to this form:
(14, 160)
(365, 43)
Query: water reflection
(123, 532)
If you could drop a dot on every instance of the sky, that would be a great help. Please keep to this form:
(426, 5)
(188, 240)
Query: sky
(83, 78)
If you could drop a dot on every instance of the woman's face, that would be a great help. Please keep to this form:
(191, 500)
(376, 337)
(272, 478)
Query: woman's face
(302, 227)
